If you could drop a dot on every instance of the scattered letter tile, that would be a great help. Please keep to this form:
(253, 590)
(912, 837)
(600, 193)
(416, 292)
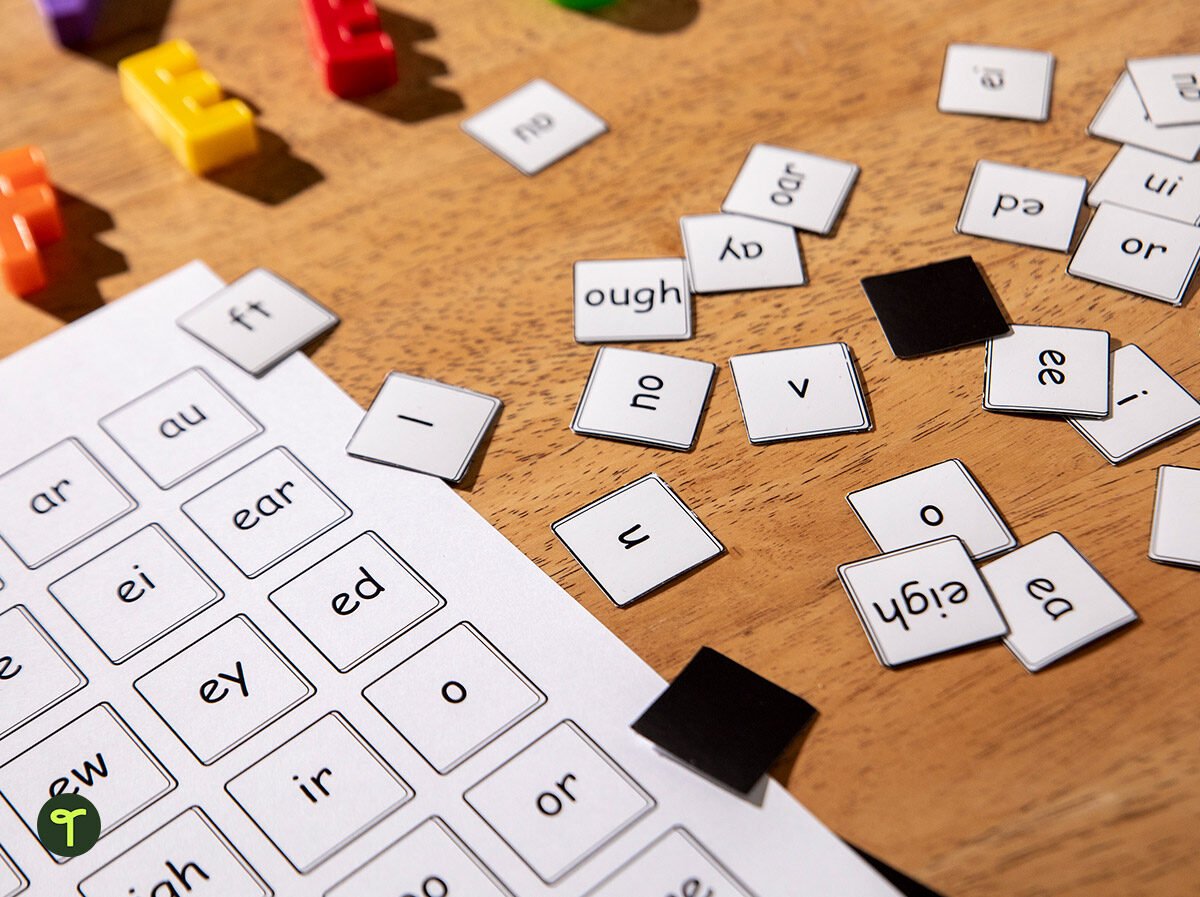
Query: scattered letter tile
(1048, 370)
(1175, 535)
(997, 81)
(258, 320)
(1122, 118)
(1169, 87)
(1141, 179)
(1139, 252)
(930, 503)
(1022, 205)
(732, 252)
(796, 393)
(535, 126)
(628, 300)
(636, 539)
(424, 425)
(1148, 406)
(789, 187)
(921, 601)
(644, 397)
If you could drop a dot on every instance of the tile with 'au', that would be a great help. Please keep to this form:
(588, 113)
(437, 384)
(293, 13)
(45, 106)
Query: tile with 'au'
(535, 126)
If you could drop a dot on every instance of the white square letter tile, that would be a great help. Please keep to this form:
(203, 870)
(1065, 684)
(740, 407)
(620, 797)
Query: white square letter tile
(636, 539)
(920, 601)
(1138, 252)
(628, 300)
(258, 320)
(1148, 406)
(1048, 370)
(1149, 181)
(796, 393)
(535, 126)
(1175, 536)
(1169, 87)
(1053, 600)
(1123, 119)
(1022, 205)
(789, 187)
(424, 425)
(999, 81)
(645, 398)
(927, 504)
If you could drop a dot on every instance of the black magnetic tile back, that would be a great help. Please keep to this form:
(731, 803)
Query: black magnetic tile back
(934, 307)
(724, 720)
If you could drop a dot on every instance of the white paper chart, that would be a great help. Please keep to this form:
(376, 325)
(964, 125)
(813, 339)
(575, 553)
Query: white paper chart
(260, 581)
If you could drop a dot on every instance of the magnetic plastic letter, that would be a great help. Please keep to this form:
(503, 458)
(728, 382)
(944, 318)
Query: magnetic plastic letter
(185, 107)
(71, 21)
(29, 218)
(348, 44)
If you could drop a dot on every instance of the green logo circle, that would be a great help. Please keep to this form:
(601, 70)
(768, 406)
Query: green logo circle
(68, 825)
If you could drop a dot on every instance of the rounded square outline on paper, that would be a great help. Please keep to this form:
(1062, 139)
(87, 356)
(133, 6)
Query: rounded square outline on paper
(539, 702)
(242, 739)
(62, 655)
(410, 794)
(113, 481)
(259, 429)
(218, 592)
(650, 802)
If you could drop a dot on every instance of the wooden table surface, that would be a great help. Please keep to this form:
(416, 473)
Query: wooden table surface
(965, 771)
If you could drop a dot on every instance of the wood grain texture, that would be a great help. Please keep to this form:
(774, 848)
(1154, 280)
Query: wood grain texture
(444, 262)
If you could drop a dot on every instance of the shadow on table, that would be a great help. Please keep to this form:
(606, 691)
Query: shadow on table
(271, 176)
(907, 886)
(650, 16)
(414, 97)
(125, 27)
(467, 483)
(77, 263)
